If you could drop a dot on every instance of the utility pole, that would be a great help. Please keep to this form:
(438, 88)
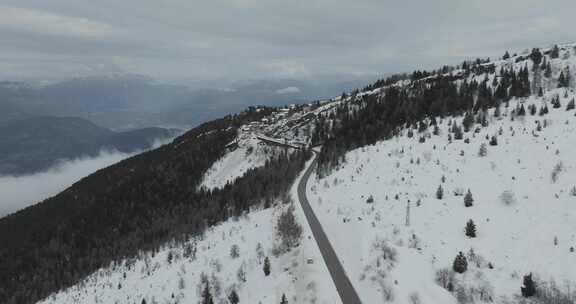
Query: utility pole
(408, 213)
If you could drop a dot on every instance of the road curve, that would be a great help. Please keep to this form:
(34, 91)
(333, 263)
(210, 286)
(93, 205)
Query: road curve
(345, 289)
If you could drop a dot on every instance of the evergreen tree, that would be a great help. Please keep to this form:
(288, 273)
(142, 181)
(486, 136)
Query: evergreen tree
(528, 288)
(143, 301)
(570, 105)
(556, 102)
(460, 264)
(521, 111)
(468, 200)
(536, 57)
(284, 299)
(458, 134)
(532, 109)
(468, 121)
(506, 56)
(543, 110)
(562, 80)
(470, 229)
(207, 296)
(483, 150)
(266, 267)
(548, 71)
(555, 53)
(233, 297)
(439, 192)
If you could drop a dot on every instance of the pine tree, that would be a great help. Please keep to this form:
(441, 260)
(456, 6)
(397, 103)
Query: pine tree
(233, 297)
(143, 301)
(506, 56)
(555, 52)
(468, 121)
(460, 264)
(470, 229)
(266, 266)
(532, 109)
(439, 192)
(483, 150)
(528, 288)
(284, 299)
(570, 105)
(468, 200)
(493, 141)
(207, 296)
(556, 102)
(536, 57)
(562, 80)
(521, 111)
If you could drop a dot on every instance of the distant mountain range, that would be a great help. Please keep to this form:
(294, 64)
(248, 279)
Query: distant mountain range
(33, 144)
(127, 102)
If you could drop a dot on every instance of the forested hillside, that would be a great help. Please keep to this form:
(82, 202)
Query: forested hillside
(135, 205)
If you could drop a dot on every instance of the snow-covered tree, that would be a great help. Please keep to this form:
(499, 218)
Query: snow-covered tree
(266, 267)
(460, 264)
(233, 297)
(439, 192)
(528, 288)
(468, 199)
(470, 229)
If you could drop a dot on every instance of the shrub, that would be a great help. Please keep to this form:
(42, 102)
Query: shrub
(414, 298)
(493, 141)
(288, 229)
(234, 251)
(550, 293)
(507, 197)
(445, 278)
(558, 168)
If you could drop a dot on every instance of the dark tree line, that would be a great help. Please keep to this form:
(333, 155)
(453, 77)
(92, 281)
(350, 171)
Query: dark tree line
(370, 118)
(137, 204)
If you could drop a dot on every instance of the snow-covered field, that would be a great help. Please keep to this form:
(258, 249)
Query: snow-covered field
(250, 153)
(179, 272)
(534, 232)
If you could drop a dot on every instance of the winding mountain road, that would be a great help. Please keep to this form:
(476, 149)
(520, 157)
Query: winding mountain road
(344, 287)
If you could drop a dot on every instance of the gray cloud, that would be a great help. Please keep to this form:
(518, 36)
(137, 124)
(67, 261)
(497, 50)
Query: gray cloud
(240, 39)
(22, 191)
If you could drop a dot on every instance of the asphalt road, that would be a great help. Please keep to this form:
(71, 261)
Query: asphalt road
(343, 286)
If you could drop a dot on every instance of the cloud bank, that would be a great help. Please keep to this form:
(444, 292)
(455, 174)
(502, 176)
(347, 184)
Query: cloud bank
(22, 191)
(18, 192)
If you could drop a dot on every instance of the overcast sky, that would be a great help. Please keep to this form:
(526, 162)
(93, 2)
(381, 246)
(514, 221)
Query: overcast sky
(239, 39)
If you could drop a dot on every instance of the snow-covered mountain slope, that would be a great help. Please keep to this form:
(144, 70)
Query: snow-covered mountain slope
(393, 235)
(245, 153)
(179, 272)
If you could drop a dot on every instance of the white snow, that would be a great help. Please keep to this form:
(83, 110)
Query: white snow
(251, 153)
(153, 278)
(517, 239)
